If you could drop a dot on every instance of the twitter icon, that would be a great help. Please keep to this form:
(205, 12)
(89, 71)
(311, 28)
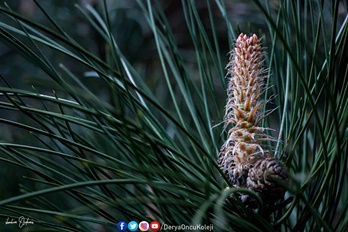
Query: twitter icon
(132, 226)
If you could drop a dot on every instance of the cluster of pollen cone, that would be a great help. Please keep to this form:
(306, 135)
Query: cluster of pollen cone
(243, 158)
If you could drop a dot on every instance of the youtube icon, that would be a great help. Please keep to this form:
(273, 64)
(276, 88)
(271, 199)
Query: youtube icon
(155, 226)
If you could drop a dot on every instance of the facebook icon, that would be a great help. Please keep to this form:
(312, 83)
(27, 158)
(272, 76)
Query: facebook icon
(122, 226)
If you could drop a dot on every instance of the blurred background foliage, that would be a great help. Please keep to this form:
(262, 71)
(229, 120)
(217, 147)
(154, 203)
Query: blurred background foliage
(297, 46)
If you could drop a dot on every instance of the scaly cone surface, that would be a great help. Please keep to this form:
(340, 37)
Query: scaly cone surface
(242, 158)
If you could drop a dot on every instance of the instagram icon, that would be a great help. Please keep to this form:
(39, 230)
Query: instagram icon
(144, 226)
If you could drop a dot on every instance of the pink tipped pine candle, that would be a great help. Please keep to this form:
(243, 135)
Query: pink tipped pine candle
(242, 157)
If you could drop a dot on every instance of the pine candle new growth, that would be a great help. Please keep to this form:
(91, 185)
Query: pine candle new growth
(242, 158)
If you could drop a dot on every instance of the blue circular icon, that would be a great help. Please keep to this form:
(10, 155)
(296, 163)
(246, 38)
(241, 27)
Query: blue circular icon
(122, 226)
(132, 226)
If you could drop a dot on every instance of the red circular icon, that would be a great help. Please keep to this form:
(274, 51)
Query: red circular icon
(155, 226)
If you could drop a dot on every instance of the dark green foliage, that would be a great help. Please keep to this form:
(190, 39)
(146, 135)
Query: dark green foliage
(125, 124)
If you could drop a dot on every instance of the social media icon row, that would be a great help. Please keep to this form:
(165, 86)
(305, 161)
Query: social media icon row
(134, 226)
